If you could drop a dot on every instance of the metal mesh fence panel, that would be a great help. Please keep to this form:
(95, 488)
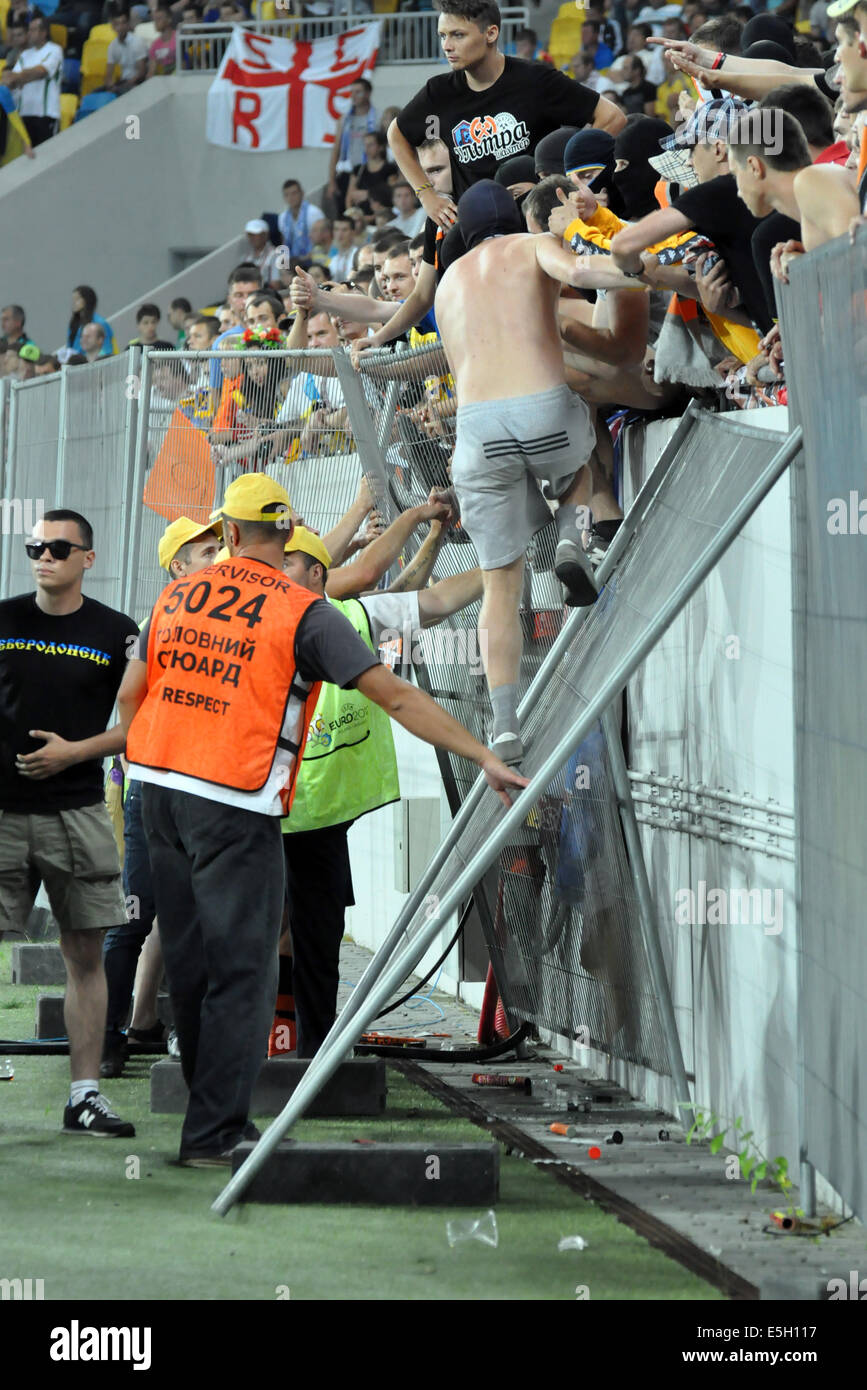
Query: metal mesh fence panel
(32, 433)
(95, 462)
(823, 317)
(569, 939)
(561, 902)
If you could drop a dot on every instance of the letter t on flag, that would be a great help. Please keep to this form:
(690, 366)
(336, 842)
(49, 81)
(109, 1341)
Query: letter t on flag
(276, 94)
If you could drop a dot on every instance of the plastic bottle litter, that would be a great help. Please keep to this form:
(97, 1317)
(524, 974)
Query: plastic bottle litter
(7, 1069)
(572, 1243)
(573, 1132)
(552, 1092)
(483, 1228)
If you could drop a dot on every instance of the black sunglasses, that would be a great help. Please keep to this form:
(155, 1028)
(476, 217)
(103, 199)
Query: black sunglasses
(58, 550)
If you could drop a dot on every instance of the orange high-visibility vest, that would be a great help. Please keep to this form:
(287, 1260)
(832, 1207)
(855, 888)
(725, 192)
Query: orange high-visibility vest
(225, 711)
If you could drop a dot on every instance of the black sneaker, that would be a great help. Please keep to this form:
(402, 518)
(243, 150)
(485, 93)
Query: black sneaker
(221, 1159)
(147, 1036)
(94, 1115)
(114, 1055)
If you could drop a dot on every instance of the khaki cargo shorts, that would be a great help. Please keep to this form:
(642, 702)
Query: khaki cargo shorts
(74, 853)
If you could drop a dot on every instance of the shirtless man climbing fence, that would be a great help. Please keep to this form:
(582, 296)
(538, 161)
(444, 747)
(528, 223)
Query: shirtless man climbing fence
(519, 427)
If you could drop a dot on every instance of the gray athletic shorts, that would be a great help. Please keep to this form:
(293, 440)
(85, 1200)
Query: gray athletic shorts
(503, 451)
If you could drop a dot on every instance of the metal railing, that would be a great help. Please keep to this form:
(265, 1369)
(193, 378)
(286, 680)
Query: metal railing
(405, 38)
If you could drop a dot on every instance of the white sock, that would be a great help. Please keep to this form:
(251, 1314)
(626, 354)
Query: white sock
(79, 1089)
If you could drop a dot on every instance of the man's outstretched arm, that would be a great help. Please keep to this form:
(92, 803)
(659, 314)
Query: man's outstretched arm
(422, 716)
(627, 245)
(608, 117)
(365, 572)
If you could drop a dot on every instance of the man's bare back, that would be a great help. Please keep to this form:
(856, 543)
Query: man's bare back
(496, 313)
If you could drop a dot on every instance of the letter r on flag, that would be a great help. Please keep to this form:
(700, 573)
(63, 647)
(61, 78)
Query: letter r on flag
(247, 109)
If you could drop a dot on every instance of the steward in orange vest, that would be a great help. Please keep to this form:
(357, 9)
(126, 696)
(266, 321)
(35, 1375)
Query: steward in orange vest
(215, 718)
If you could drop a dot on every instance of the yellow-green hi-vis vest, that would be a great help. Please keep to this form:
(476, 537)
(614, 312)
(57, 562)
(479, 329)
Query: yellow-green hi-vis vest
(349, 765)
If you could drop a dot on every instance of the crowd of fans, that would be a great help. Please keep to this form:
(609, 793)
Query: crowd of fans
(345, 252)
(704, 196)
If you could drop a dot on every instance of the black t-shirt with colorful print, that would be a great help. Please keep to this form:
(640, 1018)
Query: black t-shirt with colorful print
(60, 675)
(482, 129)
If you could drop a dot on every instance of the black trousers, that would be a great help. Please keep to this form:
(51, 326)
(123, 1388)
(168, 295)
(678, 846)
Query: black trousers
(219, 887)
(40, 128)
(319, 884)
(122, 946)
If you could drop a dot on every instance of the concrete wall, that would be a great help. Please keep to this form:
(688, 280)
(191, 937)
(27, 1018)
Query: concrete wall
(202, 283)
(107, 202)
(698, 714)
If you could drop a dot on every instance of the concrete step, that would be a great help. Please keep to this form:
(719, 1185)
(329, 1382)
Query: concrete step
(383, 1174)
(37, 964)
(356, 1088)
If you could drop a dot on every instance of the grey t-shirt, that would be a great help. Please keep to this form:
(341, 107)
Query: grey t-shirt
(327, 647)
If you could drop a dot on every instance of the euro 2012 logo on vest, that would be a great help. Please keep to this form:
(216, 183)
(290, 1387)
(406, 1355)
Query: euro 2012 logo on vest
(317, 734)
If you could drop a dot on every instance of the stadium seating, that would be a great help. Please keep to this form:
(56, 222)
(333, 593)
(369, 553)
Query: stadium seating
(568, 11)
(71, 75)
(68, 108)
(102, 33)
(94, 59)
(564, 39)
(58, 33)
(93, 102)
(4, 10)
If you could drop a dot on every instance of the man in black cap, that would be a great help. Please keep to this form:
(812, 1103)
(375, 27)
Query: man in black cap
(518, 424)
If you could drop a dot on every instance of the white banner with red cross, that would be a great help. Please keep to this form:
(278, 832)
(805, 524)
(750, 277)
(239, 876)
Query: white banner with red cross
(279, 94)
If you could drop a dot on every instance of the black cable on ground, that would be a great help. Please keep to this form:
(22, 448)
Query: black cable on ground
(390, 1008)
(464, 1054)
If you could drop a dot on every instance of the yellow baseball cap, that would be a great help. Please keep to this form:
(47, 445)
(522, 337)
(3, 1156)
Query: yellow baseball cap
(309, 542)
(254, 497)
(841, 7)
(180, 532)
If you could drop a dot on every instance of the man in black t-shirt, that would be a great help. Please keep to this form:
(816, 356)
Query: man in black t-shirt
(638, 97)
(489, 108)
(62, 659)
